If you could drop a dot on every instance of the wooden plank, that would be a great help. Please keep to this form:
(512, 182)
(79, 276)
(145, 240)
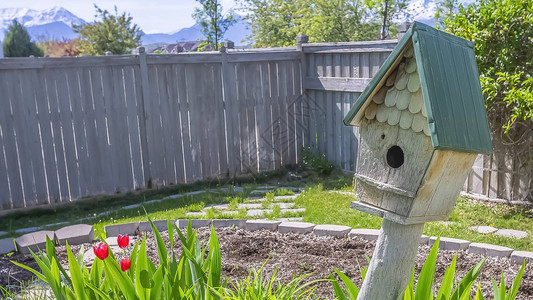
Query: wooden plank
(337, 125)
(131, 102)
(10, 191)
(283, 73)
(228, 98)
(266, 56)
(453, 176)
(291, 126)
(252, 74)
(102, 146)
(183, 58)
(78, 122)
(143, 91)
(184, 124)
(23, 133)
(219, 122)
(339, 84)
(30, 97)
(275, 111)
(193, 79)
(176, 125)
(153, 129)
(364, 63)
(209, 142)
(66, 62)
(264, 121)
(476, 186)
(374, 63)
(168, 172)
(301, 125)
(355, 64)
(93, 155)
(43, 112)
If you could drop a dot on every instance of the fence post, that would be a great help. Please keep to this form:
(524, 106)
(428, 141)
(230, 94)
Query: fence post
(145, 88)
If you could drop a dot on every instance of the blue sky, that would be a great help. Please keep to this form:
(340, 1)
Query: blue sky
(151, 15)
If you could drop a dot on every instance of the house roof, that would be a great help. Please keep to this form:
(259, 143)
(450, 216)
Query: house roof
(450, 87)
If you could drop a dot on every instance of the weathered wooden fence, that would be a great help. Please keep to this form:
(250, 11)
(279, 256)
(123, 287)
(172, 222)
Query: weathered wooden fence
(77, 127)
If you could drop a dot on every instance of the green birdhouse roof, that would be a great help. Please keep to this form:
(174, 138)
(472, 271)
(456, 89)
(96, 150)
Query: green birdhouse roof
(449, 84)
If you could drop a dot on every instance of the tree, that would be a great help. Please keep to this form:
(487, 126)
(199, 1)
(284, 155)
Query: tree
(17, 42)
(115, 33)
(502, 32)
(384, 12)
(59, 48)
(276, 23)
(445, 9)
(214, 24)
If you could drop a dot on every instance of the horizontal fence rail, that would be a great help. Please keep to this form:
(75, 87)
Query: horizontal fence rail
(85, 126)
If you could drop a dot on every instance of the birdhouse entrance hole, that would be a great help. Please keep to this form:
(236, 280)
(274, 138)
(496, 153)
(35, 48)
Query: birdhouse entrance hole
(395, 157)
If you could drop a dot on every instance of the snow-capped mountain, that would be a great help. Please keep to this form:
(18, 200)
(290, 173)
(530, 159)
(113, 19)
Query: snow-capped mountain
(54, 23)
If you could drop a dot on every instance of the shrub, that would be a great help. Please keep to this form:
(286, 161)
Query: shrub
(317, 163)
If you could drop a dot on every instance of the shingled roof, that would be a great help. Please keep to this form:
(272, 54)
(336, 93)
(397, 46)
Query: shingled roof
(453, 103)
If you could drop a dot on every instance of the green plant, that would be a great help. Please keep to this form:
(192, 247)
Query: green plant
(283, 192)
(317, 163)
(211, 213)
(233, 202)
(267, 202)
(194, 275)
(255, 286)
(424, 286)
(196, 207)
(276, 211)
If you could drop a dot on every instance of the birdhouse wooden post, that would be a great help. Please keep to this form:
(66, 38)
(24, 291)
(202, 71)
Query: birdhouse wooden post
(422, 123)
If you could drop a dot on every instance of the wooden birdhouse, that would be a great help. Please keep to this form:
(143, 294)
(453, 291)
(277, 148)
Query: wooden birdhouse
(422, 123)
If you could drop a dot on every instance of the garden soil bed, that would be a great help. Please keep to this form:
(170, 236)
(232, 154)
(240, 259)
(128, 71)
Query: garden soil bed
(302, 254)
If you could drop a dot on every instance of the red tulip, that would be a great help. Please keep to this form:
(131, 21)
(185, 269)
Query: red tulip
(101, 251)
(123, 241)
(125, 264)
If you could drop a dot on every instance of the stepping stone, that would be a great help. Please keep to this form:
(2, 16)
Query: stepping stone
(296, 227)
(255, 198)
(126, 228)
(483, 229)
(75, 234)
(258, 212)
(285, 205)
(33, 241)
(220, 223)
(260, 192)
(112, 241)
(238, 189)
(450, 243)
(289, 197)
(489, 250)
(173, 197)
(153, 201)
(3, 233)
(338, 231)
(194, 193)
(447, 223)
(518, 257)
(217, 206)
(131, 206)
(511, 233)
(28, 229)
(229, 212)
(365, 234)
(102, 214)
(195, 214)
(288, 188)
(7, 245)
(195, 223)
(249, 205)
(161, 225)
(293, 210)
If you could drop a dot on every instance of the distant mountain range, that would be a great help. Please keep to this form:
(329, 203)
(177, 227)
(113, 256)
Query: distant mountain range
(56, 24)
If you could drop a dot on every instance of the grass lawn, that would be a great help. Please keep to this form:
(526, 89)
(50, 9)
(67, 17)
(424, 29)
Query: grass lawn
(322, 207)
